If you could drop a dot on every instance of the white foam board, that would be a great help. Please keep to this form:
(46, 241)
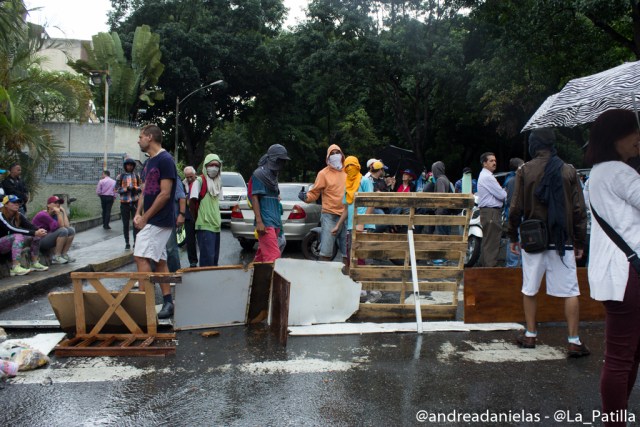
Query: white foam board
(377, 328)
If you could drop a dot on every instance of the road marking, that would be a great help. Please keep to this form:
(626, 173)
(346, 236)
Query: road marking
(300, 366)
(499, 351)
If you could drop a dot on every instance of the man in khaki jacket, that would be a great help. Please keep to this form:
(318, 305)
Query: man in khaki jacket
(548, 189)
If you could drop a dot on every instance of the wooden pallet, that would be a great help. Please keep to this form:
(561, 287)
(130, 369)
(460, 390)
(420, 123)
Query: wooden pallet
(138, 341)
(395, 246)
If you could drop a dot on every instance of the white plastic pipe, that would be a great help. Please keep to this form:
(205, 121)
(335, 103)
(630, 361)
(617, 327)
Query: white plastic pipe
(414, 279)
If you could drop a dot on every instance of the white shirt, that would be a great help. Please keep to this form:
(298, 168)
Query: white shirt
(490, 194)
(614, 192)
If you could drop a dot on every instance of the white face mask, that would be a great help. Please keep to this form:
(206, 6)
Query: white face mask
(213, 171)
(335, 160)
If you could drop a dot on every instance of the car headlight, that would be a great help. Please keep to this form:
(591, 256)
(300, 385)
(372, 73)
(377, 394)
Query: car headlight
(243, 197)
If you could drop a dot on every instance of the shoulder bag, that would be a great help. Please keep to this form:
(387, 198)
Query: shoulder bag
(533, 236)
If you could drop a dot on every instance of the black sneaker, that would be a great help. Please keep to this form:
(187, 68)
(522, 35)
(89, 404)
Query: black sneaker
(127, 247)
(167, 311)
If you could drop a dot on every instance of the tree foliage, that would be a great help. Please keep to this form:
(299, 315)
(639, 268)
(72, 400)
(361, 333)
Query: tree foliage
(131, 82)
(448, 79)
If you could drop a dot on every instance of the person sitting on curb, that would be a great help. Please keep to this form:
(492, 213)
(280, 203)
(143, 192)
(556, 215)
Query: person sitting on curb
(60, 234)
(15, 230)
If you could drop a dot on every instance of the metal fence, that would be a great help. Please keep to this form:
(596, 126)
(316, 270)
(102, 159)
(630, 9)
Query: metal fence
(80, 168)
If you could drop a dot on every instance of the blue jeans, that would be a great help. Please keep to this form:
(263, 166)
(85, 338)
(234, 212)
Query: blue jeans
(513, 260)
(209, 245)
(328, 240)
(173, 252)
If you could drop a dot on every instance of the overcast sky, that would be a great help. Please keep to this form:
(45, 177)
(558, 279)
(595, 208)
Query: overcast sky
(80, 19)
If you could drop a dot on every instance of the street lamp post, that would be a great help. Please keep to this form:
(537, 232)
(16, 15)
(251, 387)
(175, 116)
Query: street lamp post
(178, 102)
(96, 79)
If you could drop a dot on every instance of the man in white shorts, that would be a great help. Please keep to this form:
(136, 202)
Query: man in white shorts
(155, 215)
(547, 189)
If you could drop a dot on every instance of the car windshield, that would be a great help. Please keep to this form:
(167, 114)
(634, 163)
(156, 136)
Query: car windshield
(232, 180)
(290, 191)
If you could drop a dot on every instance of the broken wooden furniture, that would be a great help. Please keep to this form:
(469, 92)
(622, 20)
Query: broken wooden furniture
(132, 315)
(495, 295)
(432, 278)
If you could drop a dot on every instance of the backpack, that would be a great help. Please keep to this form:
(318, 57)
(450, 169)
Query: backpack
(201, 194)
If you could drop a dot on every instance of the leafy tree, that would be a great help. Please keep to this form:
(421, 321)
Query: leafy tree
(202, 42)
(130, 83)
(28, 95)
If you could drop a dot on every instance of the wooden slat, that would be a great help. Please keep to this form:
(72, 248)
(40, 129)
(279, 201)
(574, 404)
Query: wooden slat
(420, 246)
(414, 200)
(128, 341)
(260, 290)
(398, 286)
(78, 303)
(388, 219)
(87, 342)
(150, 309)
(135, 337)
(107, 342)
(360, 273)
(495, 295)
(147, 342)
(421, 255)
(404, 311)
(116, 275)
(280, 293)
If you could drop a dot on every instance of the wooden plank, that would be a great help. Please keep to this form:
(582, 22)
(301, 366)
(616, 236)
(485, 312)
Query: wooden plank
(107, 342)
(260, 290)
(147, 342)
(420, 246)
(150, 309)
(221, 267)
(78, 304)
(397, 286)
(135, 337)
(388, 219)
(128, 341)
(114, 351)
(369, 272)
(280, 291)
(494, 295)
(386, 254)
(414, 200)
(87, 342)
(403, 311)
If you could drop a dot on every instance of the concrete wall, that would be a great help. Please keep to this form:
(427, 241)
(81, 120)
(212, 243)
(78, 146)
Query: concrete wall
(89, 138)
(88, 200)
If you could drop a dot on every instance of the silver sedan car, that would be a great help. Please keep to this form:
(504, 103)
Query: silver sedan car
(298, 217)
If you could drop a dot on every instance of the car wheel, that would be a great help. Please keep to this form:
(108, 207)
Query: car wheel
(247, 244)
(311, 246)
(473, 251)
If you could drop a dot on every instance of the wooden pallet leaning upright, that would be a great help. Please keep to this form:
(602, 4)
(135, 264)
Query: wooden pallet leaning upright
(383, 247)
(138, 341)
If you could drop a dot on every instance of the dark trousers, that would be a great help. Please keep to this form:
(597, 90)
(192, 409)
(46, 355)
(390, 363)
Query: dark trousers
(173, 252)
(491, 221)
(190, 237)
(209, 243)
(107, 204)
(622, 348)
(127, 212)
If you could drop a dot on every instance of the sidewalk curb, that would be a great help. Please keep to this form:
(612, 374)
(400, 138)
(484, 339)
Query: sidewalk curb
(22, 292)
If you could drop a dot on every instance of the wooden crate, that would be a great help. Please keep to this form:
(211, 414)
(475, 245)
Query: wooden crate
(395, 247)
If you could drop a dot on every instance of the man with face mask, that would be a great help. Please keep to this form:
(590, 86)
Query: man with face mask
(266, 204)
(330, 184)
(206, 191)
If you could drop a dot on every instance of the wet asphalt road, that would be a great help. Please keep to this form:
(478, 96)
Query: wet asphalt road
(245, 378)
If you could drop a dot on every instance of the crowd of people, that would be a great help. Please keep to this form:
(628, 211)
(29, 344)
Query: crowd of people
(542, 198)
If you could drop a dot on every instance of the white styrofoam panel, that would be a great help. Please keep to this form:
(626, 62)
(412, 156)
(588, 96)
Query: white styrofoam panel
(320, 293)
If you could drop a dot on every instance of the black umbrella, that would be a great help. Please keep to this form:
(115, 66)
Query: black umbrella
(398, 159)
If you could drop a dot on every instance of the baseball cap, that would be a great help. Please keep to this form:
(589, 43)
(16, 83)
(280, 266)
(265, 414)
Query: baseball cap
(10, 199)
(55, 199)
(377, 165)
(370, 162)
(278, 151)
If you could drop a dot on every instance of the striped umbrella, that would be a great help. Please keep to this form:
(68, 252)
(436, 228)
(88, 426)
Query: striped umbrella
(583, 100)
